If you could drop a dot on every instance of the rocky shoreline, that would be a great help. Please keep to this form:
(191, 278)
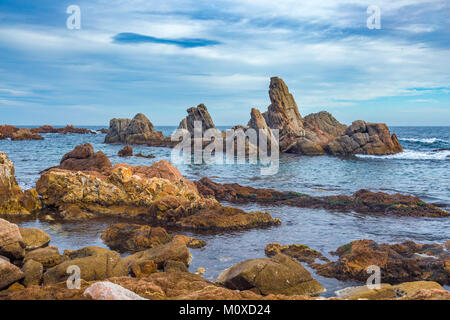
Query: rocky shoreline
(86, 186)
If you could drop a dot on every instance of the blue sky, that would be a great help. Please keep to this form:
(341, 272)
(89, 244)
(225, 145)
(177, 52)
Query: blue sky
(162, 57)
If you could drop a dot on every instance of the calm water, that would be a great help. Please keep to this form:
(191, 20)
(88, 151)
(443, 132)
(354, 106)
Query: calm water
(418, 171)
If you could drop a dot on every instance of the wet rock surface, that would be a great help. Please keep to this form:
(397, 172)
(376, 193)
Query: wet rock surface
(127, 151)
(398, 263)
(363, 201)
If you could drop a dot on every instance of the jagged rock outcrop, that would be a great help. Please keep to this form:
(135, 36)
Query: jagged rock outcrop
(199, 113)
(83, 158)
(407, 261)
(138, 130)
(365, 138)
(363, 201)
(320, 133)
(13, 201)
(158, 193)
(278, 275)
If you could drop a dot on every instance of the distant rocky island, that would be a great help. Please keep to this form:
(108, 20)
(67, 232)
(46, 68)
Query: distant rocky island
(316, 134)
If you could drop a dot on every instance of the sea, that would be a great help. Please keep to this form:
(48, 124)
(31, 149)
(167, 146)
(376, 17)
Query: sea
(420, 171)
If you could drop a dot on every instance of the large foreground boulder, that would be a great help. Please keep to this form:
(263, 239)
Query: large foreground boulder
(158, 194)
(401, 262)
(110, 291)
(94, 264)
(9, 274)
(278, 275)
(11, 242)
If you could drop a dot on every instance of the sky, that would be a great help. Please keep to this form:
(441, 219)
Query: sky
(162, 57)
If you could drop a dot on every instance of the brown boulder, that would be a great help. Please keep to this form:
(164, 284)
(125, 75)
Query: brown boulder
(83, 158)
(175, 250)
(34, 238)
(398, 263)
(11, 242)
(134, 237)
(9, 274)
(127, 151)
(299, 252)
(48, 256)
(278, 275)
(33, 271)
(25, 134)
(94, 265)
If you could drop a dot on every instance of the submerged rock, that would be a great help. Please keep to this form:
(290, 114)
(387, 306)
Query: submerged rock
(278, 275)
(127, 151)
(299, 252)
(401, 262)
(363, 201)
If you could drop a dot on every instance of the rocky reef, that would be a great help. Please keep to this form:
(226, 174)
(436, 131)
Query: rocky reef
(363, 201)
(18, 134)
(67, 129)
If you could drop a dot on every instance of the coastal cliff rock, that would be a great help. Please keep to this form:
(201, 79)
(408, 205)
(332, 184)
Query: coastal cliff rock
(13, 201)
(199, 113)
(365, 138)
(278, 275)
(400, 262)
(138, 130)
(83, 158)
(158, 194)
(363, 201)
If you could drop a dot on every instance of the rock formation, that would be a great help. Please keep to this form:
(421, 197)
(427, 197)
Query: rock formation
(138, 130)
(199, 113)
(400, 262)
(18, 134)
(320, 133)
(158, 193)
(67, 129)
(365, 138)
(13, 201)
(363, 201)
(127, 151)
(83, 158)
(278, 275)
